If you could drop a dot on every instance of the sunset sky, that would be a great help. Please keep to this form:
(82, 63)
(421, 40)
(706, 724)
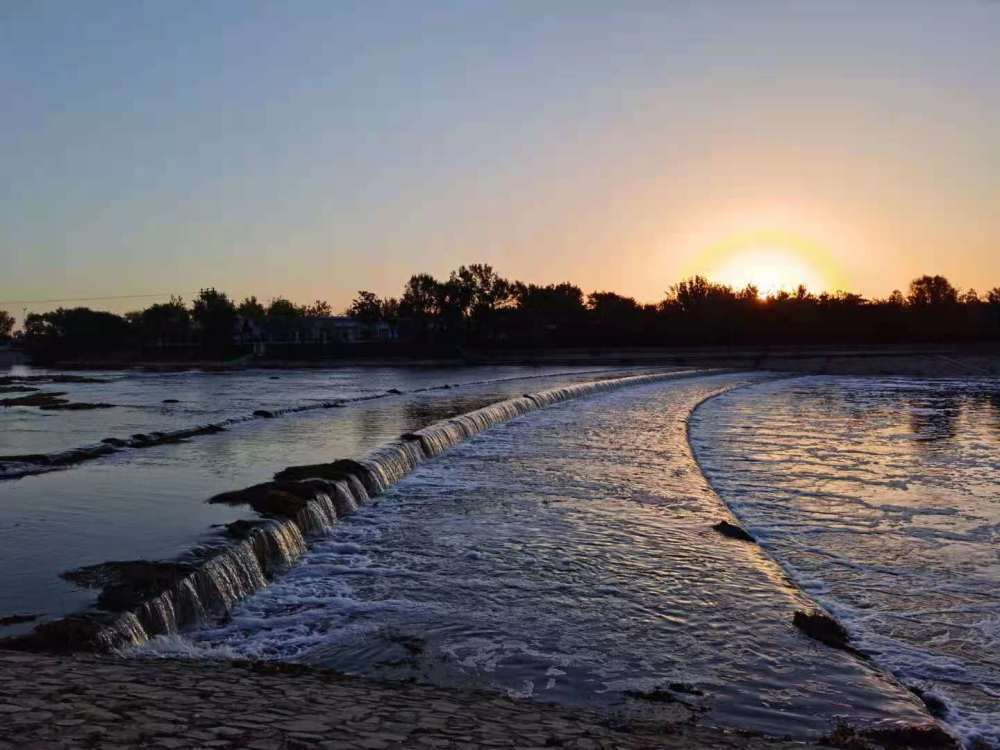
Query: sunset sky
(310, 149)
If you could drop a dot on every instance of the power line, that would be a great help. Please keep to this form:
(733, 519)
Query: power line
(85, 299)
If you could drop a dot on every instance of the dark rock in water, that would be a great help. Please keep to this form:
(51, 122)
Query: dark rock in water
(209, 429)
(116, 442)
(264, 413)
(36, 399)
(170, 401)
(242, 529)
(274, 377)
(74, 633)
(823, 628)
(733, 531)
(17, 619)
(127, 584)
(683, 687)
(897, 735)
(281, 498)
(656, 695)
(331, 472)
(17, 389)
(935, 706)
(140, 437)
(394, 390)
(75, 406)
(71, 379)
(27, 458)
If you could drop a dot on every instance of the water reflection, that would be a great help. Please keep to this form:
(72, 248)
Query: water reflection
(564, 556)
(890, 519)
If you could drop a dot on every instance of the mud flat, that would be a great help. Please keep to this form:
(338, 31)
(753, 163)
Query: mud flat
(86, 701)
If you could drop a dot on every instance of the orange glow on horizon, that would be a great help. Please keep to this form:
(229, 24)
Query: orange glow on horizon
(769, 260)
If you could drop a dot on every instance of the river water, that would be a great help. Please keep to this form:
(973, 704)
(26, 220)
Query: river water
(881, 498)
(568, 555)
(565, 556)
(149, 503)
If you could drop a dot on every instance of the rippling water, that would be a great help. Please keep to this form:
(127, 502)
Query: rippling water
(150, 503)
(881, 497)
(564, 556)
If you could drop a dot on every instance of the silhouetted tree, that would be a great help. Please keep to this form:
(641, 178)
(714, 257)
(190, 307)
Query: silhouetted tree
(215, 315)
(366, 307)
(6, 325)
(78, 331)
(932, 291)
(318, 309)
(163, 322)
(283, 308)
(251, 309)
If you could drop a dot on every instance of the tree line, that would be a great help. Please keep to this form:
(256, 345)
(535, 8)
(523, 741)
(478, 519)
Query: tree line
(476, 307)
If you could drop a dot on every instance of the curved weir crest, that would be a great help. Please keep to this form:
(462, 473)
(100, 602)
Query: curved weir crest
(17, 466)
(296, 510)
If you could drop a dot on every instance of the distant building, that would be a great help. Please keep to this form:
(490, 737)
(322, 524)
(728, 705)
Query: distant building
(270, 333)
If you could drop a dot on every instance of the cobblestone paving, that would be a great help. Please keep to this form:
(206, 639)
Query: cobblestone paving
(101, 702)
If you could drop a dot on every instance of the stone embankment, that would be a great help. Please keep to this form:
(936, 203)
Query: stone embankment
(50, 703)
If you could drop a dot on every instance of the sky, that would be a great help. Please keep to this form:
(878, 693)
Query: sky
(312, 149)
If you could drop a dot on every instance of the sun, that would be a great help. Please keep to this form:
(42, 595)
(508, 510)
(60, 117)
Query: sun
(770, 261)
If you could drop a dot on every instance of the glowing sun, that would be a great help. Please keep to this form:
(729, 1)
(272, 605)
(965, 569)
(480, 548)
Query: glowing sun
(770, 261)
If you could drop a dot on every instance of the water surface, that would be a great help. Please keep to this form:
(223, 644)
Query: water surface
(150, 503)
(881, 498)
(566, 556)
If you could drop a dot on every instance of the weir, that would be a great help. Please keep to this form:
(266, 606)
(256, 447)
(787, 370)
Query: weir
(302, 502)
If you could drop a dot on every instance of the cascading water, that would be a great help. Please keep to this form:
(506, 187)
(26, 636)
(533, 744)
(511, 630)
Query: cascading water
(224, 579)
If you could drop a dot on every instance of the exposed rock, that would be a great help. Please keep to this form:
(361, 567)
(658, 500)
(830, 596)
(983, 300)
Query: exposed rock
(17, 619)
(127, 584)
(330, 472)
(733, 531)
(74, 633)
(242, 529)
(170, 401)
(656, 695)
(395, 391)
(264, 413)
(282, 498)
(36, 399)
(823, 628)
(683, 687)
(75, 406)
(892, 735)
(27, 458)
(935, 706)
(115, 442)
(165, 703)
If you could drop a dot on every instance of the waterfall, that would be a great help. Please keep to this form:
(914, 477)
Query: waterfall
(304, 507)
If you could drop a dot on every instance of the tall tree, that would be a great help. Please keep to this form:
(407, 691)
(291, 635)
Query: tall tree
(932, 291)
(318, 309)
(162, 322)
(366, 307)
(283, 308)
(215, 315)
(251, 309)
(6, 325)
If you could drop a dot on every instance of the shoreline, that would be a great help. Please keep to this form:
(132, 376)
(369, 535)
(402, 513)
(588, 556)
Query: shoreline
(939, 360)
(105, 702)
(250, 686)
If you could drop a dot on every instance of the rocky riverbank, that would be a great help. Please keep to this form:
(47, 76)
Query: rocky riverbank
(49, 702)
